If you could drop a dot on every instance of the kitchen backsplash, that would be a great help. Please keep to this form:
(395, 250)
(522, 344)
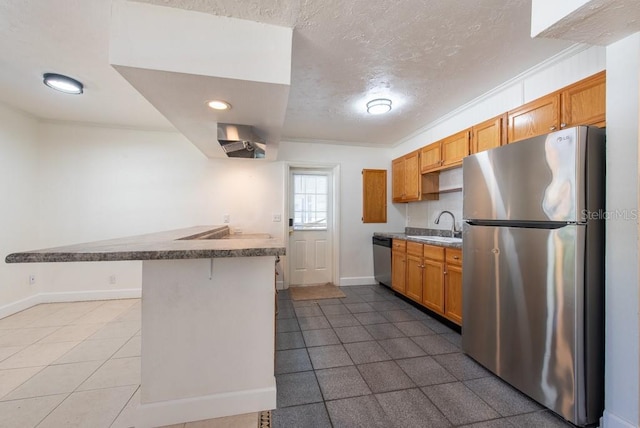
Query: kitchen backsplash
(423, 214)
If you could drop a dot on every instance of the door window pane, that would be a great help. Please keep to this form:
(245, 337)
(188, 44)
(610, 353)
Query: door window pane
(310, 202)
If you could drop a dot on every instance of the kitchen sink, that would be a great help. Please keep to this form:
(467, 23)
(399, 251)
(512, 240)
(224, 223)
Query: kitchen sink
(445, 239)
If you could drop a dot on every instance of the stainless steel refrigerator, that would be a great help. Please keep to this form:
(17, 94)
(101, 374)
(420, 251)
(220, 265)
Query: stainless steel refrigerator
(533, 268)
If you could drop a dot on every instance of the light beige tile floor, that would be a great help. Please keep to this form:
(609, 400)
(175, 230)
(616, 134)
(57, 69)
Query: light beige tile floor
(77, 365)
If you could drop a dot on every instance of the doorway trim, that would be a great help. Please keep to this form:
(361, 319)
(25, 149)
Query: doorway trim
(334, 168)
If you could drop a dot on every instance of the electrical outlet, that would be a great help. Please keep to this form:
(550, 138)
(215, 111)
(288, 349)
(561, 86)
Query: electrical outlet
(32, 279)
(112, 279)
(226, 218)
(277, 217)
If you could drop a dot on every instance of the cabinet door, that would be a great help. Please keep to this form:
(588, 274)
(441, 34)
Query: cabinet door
(414, 277)
(430, 158)
(585, 102)
(453, 293)
(538, 117)
(432, 285)
(455, 148)
(412, 177)
(398, 271)
(488, 135)
(397, 178)
(374, 195)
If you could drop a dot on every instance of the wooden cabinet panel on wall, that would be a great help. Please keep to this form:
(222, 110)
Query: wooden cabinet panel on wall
(584, 103)
(538, 117)
(398, 265)
(489, 134)
(454, 148)
(430, 158)
(453, 286)
(374, 195)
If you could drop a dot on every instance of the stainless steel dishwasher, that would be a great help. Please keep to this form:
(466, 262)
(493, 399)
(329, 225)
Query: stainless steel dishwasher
(382, 260)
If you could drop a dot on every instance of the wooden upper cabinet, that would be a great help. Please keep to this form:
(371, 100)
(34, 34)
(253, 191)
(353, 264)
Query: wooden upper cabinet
(412, 178)
(454, 148)
(584, 103)
(397, 173)
(374, 195)
(430, 158)
(489, 134)
(407, 180)
(538, 117)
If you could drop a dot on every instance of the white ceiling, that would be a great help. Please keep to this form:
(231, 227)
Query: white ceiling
(428, 56)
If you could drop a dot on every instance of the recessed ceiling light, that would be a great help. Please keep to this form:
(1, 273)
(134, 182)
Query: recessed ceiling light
(379, 106)
(219, 105)
(62, 83)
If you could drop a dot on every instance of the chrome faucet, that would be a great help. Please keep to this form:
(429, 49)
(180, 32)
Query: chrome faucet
(453, 219)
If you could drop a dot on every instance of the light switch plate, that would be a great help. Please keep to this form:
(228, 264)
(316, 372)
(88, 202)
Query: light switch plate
(277, 217)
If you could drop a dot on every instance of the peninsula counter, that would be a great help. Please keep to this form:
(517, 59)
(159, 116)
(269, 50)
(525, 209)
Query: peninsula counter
(208, 319)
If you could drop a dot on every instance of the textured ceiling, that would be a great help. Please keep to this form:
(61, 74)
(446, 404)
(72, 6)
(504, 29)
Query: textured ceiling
(599, 22)
(428, 56)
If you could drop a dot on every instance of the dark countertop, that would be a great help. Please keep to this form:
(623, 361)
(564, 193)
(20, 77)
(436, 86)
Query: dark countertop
(198, 242)
(422, 232)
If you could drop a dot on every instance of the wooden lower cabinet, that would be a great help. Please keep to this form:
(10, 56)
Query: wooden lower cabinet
(414, 271)
(414, 277)
(453, 286)
(430, 275)
(398, 266)
(432, 285)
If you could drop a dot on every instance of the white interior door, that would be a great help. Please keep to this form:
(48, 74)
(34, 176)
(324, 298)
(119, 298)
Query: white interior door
(310, 258)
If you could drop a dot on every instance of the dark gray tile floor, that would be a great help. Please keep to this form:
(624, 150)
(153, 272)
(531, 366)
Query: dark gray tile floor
(374, 360)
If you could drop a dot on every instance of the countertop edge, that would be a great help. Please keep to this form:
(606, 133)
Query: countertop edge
(171, 245)
(404, 237)
(48, 257)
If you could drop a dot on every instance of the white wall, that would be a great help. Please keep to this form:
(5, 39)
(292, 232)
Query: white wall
(545, 78)
(622, 330)
(356, 256)
(69, 183)
(18, 201)
(101, 183)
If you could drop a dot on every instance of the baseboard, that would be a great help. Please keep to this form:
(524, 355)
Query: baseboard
(171, 412)
(67, 296)
(81, 296)
(609, 420)
(279, 285)
(20, 305)
(357, 280)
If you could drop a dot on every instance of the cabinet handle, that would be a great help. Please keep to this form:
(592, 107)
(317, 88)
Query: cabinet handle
(552, 128)
(563, 125)
(456, 258)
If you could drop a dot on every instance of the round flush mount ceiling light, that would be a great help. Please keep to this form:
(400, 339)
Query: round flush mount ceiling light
(219, 105)
(62, 83)
(379, 106)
